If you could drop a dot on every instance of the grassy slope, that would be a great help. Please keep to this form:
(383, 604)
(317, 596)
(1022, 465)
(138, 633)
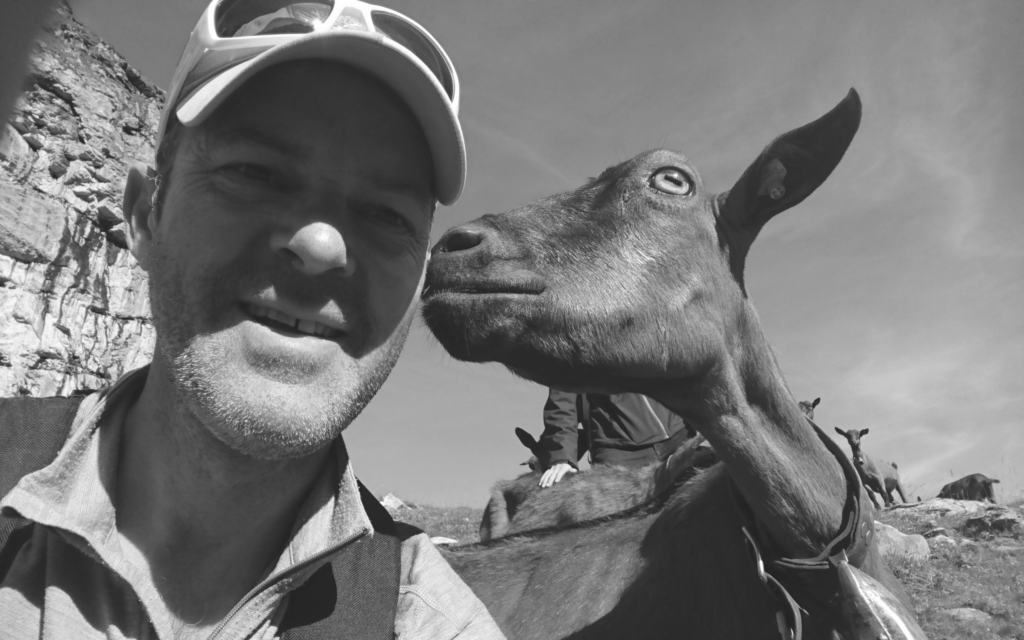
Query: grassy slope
(988, 577)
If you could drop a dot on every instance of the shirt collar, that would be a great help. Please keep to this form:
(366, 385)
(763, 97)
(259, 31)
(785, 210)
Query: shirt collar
(74, 494)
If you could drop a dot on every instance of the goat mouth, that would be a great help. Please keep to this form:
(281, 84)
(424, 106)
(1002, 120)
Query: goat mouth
(514, 287)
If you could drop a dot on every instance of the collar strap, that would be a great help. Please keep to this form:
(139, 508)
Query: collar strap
(808, 588)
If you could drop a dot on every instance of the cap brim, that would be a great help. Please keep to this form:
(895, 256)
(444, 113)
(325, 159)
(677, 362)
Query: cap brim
(396, 68)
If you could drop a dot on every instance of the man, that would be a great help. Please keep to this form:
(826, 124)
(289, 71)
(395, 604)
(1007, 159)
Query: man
(624, 429)
(285, 230)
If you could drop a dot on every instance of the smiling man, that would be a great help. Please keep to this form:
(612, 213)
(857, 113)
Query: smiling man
(285, 231)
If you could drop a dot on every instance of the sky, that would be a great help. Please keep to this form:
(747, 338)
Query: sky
(895, 292)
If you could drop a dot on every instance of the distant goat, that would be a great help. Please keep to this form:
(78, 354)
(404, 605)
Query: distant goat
(521, 505)
(808, 407)
(877, 475)
(972, 487)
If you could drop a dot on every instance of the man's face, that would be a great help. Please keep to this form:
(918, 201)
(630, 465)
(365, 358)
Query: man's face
(287, 256)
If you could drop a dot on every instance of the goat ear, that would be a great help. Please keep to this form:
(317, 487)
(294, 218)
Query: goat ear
(816, 402)
(840, 432)
(863, 432)
(528, 440)
(788, 170)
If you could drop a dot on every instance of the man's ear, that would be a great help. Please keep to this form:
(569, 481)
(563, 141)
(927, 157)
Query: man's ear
(787, 171)
(139, 214)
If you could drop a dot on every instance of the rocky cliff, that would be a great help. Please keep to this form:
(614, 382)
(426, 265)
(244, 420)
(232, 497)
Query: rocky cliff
(73, 304)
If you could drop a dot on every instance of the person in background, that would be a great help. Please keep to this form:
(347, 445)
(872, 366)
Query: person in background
(625, 429)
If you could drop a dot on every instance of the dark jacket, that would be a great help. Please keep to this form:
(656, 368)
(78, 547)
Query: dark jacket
(624, 428)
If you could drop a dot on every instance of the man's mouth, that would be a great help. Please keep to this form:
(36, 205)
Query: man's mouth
(278, 320)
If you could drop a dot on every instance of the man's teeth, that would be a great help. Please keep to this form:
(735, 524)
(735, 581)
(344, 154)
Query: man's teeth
(304, 326)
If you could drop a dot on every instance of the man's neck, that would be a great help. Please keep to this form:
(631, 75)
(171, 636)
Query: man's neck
(206, 521)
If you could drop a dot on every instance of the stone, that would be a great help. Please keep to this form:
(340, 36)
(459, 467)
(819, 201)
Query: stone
(31, 225)
(442, 541)
(34, 141)
(967, 614)
(968, 545)
(117, 238)
(108, 214)
(393, 503)
(941, 543)
(58, 167)
(894, 544)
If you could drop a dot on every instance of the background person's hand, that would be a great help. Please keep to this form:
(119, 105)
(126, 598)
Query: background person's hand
(555, 474)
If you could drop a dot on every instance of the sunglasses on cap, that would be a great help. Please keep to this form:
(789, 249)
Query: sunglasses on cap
(233, 31)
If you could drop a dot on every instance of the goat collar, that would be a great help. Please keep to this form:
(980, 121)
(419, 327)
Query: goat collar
(807, 593)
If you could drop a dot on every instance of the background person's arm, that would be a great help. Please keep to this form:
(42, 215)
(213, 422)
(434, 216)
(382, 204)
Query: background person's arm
(20, 21)
(558, 443)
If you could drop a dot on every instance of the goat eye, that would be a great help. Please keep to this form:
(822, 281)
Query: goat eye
(671, 181)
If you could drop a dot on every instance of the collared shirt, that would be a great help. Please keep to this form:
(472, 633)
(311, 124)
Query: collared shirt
(72, 579)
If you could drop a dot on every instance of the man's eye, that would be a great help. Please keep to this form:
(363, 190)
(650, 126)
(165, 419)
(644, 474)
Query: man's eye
(389, 217)
(252, 172)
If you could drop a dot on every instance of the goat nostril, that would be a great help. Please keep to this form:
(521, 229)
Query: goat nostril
(460, 240)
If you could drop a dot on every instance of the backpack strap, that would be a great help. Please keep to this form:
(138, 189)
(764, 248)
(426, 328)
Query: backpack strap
(355, 595)
(32, 432)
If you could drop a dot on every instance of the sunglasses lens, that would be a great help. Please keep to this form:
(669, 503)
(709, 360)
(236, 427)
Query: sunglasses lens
(413, 39)
(242, 18)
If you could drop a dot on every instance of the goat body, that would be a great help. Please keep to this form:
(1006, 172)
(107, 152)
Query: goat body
(521, 505)
(972, 487)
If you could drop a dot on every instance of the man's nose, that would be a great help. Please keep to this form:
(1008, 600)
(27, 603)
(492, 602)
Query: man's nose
(314, 248)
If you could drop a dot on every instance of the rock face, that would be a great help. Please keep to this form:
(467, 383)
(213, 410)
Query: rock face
(73, 304)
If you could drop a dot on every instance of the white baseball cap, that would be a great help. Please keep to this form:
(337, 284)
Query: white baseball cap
(235, 39)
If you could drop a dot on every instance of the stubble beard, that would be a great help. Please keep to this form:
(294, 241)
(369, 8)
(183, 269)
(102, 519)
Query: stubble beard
(255, 416)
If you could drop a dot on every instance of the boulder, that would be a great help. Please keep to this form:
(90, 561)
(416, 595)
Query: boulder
(393, 503)
(995, 519)
(894, 544)
(941, 543)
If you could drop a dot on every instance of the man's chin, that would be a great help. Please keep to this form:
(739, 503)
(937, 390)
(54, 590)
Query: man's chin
(271, 407)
